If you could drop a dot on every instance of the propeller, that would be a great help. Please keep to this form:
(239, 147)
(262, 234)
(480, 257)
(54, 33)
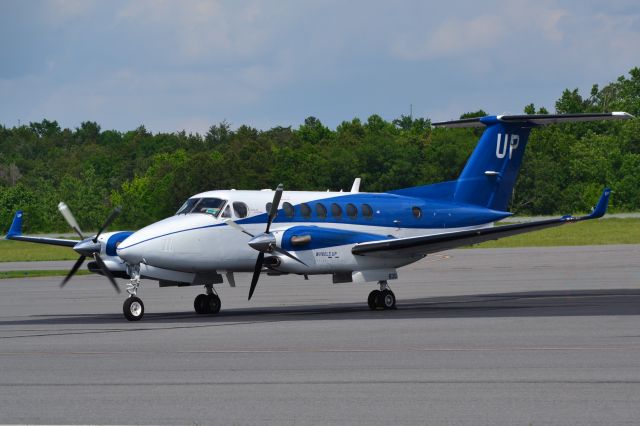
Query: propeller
(272, 214)
(88, 247)
(265, 242)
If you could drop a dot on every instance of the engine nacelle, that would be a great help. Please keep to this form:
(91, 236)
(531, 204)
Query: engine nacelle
(314, 237)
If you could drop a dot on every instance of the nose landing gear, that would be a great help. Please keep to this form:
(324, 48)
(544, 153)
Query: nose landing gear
(133, 308)
(383, 298)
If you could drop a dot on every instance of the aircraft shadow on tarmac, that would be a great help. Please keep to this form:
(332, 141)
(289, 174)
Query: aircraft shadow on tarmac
(526, 304)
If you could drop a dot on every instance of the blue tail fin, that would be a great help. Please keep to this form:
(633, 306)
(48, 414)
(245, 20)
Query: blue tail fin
(488, 178)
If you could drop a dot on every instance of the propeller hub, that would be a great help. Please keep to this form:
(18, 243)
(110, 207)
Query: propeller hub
(87, 247)
(263, 242)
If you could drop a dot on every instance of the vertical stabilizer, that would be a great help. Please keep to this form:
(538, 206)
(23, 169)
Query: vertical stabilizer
(488, 178)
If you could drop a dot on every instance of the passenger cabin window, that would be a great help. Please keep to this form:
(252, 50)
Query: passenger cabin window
(321, 211)
(352, 211)
(417, 212)
(288, 209)
(367, 211)
(210, 206)
(336, 211)
(305, 210)
(240, 209)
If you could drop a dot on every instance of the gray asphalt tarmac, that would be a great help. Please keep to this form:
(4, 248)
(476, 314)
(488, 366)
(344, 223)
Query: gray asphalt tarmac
(525, 336)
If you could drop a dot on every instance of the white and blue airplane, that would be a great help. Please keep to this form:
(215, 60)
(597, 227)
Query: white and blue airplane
(352, 236)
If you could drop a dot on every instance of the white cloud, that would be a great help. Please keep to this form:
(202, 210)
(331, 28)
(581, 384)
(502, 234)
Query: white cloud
(522, 23)
(452, 38)
(201, 29)
(60, 12)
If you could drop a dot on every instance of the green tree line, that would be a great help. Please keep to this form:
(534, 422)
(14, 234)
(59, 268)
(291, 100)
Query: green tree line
(150, 175)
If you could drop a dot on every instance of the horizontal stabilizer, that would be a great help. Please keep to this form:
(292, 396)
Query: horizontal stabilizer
(532, 120)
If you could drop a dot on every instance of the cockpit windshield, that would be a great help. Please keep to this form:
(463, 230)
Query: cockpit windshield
(211, 206)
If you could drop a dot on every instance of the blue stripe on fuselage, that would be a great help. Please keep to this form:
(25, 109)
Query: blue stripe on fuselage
(390, 210)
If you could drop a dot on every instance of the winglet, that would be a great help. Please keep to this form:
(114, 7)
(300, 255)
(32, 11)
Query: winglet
(601, 208)
(16, 225)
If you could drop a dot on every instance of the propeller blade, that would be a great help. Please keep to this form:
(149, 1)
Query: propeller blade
(256, 274)
(107, 222)
(274, 206)
(73, 270)
(68, 216)
(237, 227)
(286, 253)
(106, 271)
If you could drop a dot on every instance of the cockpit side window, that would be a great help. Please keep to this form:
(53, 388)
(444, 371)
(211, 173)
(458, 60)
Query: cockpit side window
(226, 212)
(188, 205)
(210, 206)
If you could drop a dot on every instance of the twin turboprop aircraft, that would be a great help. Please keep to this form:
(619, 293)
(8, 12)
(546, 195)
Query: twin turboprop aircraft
(353, 236)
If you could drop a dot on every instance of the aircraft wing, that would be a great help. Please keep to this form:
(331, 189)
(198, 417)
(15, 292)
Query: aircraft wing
(424, 245)
(15, 233)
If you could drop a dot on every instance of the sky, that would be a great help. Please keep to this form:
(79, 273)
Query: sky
(190, 64)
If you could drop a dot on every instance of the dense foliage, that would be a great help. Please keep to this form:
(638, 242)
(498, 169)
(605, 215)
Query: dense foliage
(565, 167)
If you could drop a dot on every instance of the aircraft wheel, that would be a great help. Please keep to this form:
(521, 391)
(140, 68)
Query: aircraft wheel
(387, 300)
(373, 299)
(200, 304)
(133, 309)
(213, 304)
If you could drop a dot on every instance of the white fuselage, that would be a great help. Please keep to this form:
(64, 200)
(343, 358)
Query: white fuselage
(203, 243)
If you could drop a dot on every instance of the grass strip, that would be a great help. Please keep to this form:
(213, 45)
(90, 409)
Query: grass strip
(20, 251)
(4, 275)
(591, 232)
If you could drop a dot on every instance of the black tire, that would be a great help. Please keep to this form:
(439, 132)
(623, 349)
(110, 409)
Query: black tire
(200, 304)
(387, 300)
(213, 304)
(373, 299)
(133, 309)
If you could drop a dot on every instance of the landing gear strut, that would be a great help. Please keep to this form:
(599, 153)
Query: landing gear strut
(133, 308)
(383, 298)
(208, 303)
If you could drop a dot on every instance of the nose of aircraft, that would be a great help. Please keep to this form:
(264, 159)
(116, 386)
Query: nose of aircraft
(146, 243)
(129, 251)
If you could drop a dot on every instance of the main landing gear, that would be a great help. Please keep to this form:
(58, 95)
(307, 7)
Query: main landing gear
(207, 303)
(383, 298)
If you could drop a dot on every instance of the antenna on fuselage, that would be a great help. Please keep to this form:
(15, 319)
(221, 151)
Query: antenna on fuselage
(356, 185)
